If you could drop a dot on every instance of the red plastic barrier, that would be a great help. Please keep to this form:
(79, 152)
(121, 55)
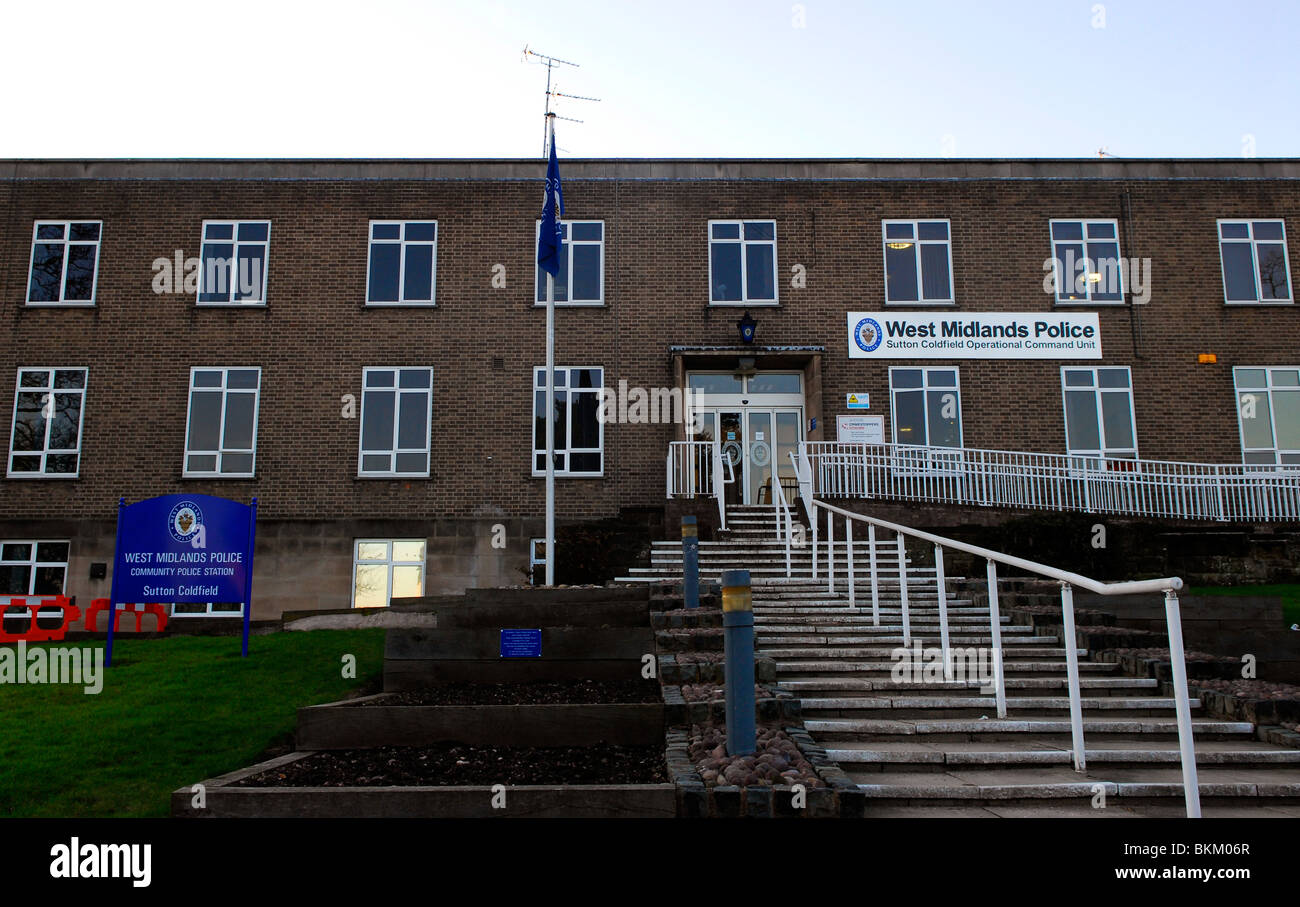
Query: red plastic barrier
(101, 604)
(34, 633)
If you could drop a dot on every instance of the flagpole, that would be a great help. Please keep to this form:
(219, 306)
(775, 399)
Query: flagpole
(550, 397)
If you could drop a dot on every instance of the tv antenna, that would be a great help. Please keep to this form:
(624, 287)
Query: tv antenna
(532, 56)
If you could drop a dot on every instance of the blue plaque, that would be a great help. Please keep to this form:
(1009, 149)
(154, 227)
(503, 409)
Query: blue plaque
(521, 643)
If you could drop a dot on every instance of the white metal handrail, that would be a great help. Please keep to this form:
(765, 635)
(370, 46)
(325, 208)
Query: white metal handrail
(784, 518)
(1016, 479)
(1169, 586)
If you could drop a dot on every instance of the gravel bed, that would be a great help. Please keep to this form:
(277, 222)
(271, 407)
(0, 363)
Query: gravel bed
(708, 692)
(1251, 689)
(451, 764)
(776, 759)
(538, 693)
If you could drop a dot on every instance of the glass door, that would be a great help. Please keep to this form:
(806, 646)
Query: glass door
(731, 434)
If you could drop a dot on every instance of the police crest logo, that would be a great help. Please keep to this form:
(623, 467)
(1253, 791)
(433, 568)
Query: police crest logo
(184, 521)
(867, 335)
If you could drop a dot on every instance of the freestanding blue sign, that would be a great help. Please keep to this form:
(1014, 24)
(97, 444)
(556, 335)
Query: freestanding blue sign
(183, 548)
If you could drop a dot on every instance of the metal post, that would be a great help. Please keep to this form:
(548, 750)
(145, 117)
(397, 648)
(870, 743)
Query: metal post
(550, 391)
(902, 590)
(830, 553)
(812, 518)
(1072, 677)
(690, 562)
(941, 585)
(248, 580)
(875, 581)
(1186, 747)
(112, 594)
(995, 621)
(848, 541)
(738, 630)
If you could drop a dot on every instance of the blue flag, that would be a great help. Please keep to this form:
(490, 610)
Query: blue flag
(550, 239)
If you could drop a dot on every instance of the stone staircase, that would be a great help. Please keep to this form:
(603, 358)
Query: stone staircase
(933, 747)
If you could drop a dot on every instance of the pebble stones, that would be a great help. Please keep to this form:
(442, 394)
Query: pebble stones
(776, 760)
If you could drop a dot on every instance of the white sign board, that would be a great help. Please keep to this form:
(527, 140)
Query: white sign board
(974, 335)
(861, 429)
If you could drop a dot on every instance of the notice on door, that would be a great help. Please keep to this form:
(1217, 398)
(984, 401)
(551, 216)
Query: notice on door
(862, 429)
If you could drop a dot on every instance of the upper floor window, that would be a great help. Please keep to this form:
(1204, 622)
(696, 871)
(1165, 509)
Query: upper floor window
(742, 262)
(918, 261)
(234, 262)
(403, 262)
(1099, 412)
(1087, 261)
(1268, 413)
(579, 429)
(46, 436)
(581, 280)
(926, 406)
(396, 408)
(221, 428)
(65, 262)
(1254, 260)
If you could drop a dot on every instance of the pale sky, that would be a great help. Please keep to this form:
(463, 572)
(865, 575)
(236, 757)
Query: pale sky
(419, 78)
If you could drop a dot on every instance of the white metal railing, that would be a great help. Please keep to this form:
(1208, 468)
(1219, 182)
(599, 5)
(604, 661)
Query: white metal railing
(697, 469)
(1002, 478)
(784, 518)
(1169, 586)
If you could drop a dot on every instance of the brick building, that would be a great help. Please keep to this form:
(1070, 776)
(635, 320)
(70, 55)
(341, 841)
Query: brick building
(357, 343)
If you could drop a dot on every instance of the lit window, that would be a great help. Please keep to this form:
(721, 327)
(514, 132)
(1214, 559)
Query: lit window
(918, 261)
(385, 569)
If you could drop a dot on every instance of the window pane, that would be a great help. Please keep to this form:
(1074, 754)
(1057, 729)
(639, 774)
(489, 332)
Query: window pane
(371, 590)
(1256, 420)
(201, 463)
(412, 552)
(421, 232)
(715, 384)
(760, 271)
(1112, 377)
(1104, 280)
(1081, 429)
(592, 232)
(66, 378)
(380, 378)
(1070, 264)
(582, 462)
(774, 384)
(15, 579)
(49, 231)
(377, 420)
(900, 272)
(377, 462)
(385, 231)
(585, 283)
(1117, 420)
(1238, 271)
(47, 272)
(414, 378)
(61, 464)
(52, 551)
(252, 272)
(586, 428)
(234, 463)
(80, 282)
(1249, 377)
(932, 230)
(412, 463)
(418, 283)
(1286, 416)
(937, 377)
(66, 423)
(934, 271)
(1067, 230)
(413, 422)
(586, 377)
(1267, 229)
(205, 420)
(726, 231)
(1101, 230)
(905, 377)
(48, 581)
(206, 378)
(254, 232)
(1273, 280)
(944, 419)
(898, 231)
(909, 417)
(1284, 377)
(240, 410)
(1078, 378)
(385, 263)
(216, 278)
(1234, 231)
(759, 230)
(242, 378)
(29, 423)
(726, 271)
(408, 582)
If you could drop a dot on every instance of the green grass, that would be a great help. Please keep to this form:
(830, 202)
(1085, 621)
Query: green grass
(171, 713)
(1288, 592)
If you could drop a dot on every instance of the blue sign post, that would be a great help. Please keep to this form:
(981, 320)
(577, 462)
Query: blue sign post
(187, 548)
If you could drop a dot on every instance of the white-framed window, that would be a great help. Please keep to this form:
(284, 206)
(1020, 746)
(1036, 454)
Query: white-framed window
(581, 280)
(65, 262)
(579, 430)
(1087, 268)
(918, 261)
(221, 424)
(205, 609)
(536, 562)
(1099, 420)
(742, 262)
(384, 569)
(925, 406)
(396, 414)
(49, 406)
(33, 566)
(1268, 414)
(1256, 269)
(402, 268)
(234, 259)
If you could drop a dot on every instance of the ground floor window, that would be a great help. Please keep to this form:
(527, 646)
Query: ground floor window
(926, 406)
(384, 569)
(1268, 413)
(1099, 412)
(536, 562)
(579, 431)
(32, 567)
(205, 609)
